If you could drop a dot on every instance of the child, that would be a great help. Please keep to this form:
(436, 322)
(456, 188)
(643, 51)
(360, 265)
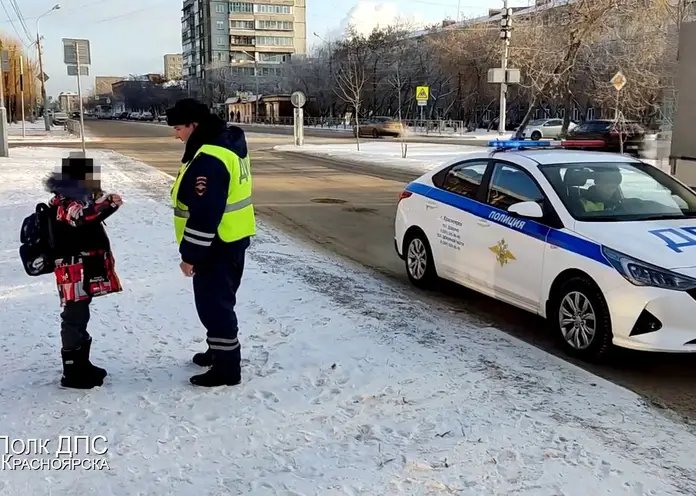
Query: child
(83, 260)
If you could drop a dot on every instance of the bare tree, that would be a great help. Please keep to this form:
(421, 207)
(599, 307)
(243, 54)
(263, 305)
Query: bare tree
(351, 78)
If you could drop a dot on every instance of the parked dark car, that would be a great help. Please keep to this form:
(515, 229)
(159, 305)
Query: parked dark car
(606, 136)
(123, 115)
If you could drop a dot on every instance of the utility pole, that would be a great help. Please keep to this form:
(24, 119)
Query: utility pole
(47, 122)
(505, 29)
(4, 148)
(21, 92)
(79, 95)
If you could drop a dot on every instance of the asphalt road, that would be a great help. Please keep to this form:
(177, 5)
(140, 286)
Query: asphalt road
(349, 210)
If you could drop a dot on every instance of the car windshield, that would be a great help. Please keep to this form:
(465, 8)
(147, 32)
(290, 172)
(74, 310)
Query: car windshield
(619, 192)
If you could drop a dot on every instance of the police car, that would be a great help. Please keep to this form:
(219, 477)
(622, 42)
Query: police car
(602, 245)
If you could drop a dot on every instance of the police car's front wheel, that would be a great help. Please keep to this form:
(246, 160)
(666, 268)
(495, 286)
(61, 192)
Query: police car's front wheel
(419, 260)
(580, 317)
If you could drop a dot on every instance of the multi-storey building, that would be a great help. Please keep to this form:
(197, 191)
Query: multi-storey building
(102, 84)
(173, 66)
(252, 37)
(69, 101)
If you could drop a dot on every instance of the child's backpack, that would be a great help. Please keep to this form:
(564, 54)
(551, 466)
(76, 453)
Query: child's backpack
(37, 241)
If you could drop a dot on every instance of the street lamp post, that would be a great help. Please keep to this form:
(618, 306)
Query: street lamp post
(47, 123)
(328, 44)
(256, 77)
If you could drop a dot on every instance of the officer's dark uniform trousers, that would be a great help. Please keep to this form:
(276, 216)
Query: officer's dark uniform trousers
(215, 286)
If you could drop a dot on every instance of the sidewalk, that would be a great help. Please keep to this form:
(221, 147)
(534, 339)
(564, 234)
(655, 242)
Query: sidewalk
(36, 132)
(351, 385)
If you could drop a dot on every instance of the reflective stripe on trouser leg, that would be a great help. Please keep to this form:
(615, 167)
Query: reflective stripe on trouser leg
(222, 344)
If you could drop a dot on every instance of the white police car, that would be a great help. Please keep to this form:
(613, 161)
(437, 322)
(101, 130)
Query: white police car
(600, 244)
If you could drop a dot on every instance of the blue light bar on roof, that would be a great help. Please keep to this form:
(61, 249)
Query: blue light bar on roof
(518, 144)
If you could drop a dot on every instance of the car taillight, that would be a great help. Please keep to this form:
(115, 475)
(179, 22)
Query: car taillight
(404, 194)
(614, 133)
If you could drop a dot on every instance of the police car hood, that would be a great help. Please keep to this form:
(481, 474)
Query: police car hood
(670, 244)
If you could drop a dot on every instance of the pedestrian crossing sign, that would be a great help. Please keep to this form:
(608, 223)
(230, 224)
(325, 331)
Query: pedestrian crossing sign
(422, 93)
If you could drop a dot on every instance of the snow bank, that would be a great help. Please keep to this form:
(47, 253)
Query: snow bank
(421, 157)
(351, 386)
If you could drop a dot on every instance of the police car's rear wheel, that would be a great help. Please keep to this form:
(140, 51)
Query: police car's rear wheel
(419, 261)
(580, 316)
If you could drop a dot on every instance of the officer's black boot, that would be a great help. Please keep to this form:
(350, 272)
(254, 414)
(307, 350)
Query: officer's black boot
(204, 359)
(77, 373)
(225, 370)
(97, 371)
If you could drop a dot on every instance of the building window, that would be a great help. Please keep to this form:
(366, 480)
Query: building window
(273, 57)
(272, 9)
(274, 25)
(220, 8)
(221, 41)
(241, 24)
(221, 25)
(243, 40)
(246, 8)
(243, 71)
(240, 57)
(274, 41)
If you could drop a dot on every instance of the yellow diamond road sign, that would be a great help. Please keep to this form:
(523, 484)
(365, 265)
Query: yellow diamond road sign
(422, 93)
(619, 81)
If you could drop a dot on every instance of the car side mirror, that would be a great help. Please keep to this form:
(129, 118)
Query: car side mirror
(528, 209)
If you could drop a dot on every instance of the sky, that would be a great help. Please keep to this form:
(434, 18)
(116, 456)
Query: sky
(132, 36)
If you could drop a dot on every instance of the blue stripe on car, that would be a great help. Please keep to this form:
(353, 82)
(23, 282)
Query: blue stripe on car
(562, 239)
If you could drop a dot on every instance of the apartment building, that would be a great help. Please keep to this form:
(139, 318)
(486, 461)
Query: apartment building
(68, 101)
(248, 36)
(173, 66)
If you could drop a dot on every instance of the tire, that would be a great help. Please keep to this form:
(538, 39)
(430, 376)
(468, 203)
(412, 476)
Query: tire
(536, 136)
(418, 259)
(595, 344)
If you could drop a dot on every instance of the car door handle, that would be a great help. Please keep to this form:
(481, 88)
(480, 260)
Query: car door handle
(430, 204)
(483, 223)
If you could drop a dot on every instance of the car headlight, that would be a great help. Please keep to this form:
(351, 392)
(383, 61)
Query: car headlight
(644, 274)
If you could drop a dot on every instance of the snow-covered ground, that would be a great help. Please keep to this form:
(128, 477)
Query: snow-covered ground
(420, 157)
(351, 385)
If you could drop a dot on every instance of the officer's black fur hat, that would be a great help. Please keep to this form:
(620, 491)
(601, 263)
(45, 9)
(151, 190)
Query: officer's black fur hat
(187, 111)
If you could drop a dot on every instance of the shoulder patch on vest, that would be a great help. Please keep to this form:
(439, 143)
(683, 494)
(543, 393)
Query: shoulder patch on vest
(201, 185)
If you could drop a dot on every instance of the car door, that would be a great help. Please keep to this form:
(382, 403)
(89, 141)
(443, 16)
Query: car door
(552, 128)
(454, 200)
(513, 247)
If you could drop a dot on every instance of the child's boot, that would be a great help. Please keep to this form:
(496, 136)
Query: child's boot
(77, 374)
(97, 371)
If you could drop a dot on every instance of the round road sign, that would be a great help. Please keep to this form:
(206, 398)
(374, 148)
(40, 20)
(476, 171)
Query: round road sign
(298, 99)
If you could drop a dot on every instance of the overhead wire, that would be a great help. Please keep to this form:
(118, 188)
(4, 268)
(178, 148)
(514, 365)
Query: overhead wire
(20, 17)
(9, 18)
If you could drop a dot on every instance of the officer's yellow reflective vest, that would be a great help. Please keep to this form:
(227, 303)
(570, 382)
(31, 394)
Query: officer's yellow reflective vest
(238, 221)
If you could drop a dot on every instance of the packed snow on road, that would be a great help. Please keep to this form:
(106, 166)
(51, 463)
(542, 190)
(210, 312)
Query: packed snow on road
(350, 384)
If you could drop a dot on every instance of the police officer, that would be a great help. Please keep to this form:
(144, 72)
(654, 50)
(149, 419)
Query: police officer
(214, 221)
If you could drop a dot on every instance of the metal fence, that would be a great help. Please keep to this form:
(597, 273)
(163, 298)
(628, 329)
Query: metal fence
(73, 127)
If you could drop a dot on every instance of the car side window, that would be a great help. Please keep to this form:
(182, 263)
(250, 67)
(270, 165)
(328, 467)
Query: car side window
(510, 185)
(463, 179)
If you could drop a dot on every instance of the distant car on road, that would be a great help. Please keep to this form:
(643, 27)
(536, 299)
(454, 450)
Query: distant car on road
(60, 119)
(606, 136)
(380, 126)
(147, 116)
(545, 128)
(602, 245)
(134, 116)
